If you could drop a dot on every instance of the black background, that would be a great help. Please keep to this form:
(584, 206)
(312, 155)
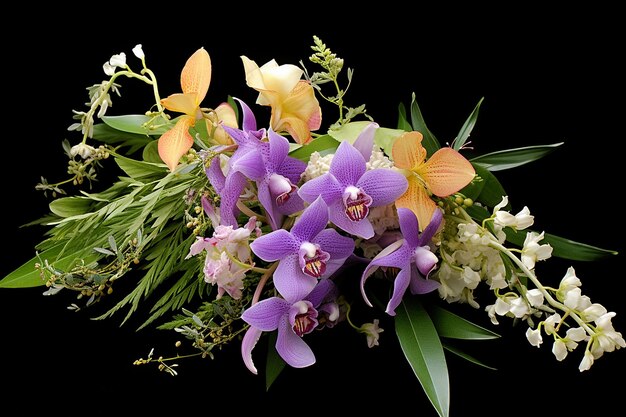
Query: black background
(547, 76)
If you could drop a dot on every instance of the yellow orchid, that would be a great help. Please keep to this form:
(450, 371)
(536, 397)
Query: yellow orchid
(443, 174)
(294, 106)
(195, 79)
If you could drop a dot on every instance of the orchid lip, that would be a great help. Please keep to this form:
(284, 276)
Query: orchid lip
(313, 260)
(305, 319)
(357, 203)
(282, 188)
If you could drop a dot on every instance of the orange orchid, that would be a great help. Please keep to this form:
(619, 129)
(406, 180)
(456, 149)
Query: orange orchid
(195, 79)
(443, 174)
(294, 106)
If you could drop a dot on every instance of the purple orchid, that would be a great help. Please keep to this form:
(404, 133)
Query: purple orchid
(266, 163)
(305, 254)
(411, 255)
(293, 319)
(350, 190)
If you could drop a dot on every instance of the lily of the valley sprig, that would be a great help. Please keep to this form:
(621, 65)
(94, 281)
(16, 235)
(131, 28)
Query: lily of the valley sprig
(239, 229)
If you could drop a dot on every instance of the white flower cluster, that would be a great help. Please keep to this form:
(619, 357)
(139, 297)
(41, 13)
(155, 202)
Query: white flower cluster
(318, 165)
(595, 326)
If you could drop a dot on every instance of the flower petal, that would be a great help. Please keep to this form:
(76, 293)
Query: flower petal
(291, 347)
(248, 343)
(383, 185)
(283, 79)
(337, 246)
(416, 199)
(290, 281)
(421, 285)
(233, 187)
(325, 185)
(227, 117)
(364, 143)
(425, 260)
(266, 314)
(323, 288)
(348, 165)
(291, 206)
(292, 169)
(275, 245)
(264, 194)
(296, 128)
(215, 174)
(407, 151)
(249, 164)
(446, 172)
(279, 148)
(248, 120)
(181, 103)
(432, 228)
(196, 75)
(337, 215)
(313, 220)
(174, 143)
(409, 227)
(401, 258)
(400, 285)
(299, 113)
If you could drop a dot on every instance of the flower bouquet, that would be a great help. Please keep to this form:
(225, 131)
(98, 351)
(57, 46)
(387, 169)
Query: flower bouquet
(237, 229)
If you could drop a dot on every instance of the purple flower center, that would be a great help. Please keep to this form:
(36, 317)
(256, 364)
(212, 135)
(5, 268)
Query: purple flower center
(313, 259)
(281, 188)
(305, 319)
(356, 202)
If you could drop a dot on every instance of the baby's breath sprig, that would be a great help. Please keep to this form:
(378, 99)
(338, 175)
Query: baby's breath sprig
(332, 66)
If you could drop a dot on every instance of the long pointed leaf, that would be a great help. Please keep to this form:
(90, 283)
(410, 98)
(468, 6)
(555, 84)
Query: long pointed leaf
(323, 144)
(450, 325)
(467, 357)
(422, 348)
(467, 127)
(512, 158)
(134, 123)
(274, 364)
(403, 122)
(430, 142)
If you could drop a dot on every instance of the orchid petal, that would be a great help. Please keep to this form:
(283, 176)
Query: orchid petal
(337, 215)
(364, 143)
(248, 120)
(266, 314)
(291, 347)
(264, 194)
(176, 142)
(215, 174)
(400, 285)
(320, 292)
(407, 151)
(313, 220)
(283, 79)
(383, 185)
(240, 137)
(325, 185)
(181, 103)
(278, 149)
(249, 164)
(290, 281)
(210, 211)
(425, 260)
(250, 339)
(420, 285)
(416, 199)
(275, 245)
(446, 172)
(432, 228)
(373, 265)
(292, 169)
(291, 206)
(196, 75)
(299, 113)
(233, 187)
(348, 165)
(337, 246)
(409, 227)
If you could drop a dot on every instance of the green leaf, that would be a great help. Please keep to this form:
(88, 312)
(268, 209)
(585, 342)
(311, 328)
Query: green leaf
(140, 169)
(106, 134)
(422, 348)
(467, 127)
(324, 144)
(452, 326)
(349, 132)
(492, 191)
(384, 138)
(151, 153)
(134, 123)
(233, 104)
(467, 357)
(274, 364)
(26, 276)
(512, 158)
(563, 248)
(403, 122)
(430, 142)
(70, 206)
